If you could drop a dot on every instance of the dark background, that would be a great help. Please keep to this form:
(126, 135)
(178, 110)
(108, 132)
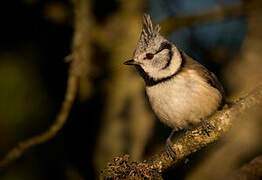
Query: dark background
(35, 37)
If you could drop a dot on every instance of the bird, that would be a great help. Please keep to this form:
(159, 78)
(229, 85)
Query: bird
(182, 92)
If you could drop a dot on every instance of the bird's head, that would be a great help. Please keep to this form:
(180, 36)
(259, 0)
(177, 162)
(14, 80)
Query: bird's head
(154, 54)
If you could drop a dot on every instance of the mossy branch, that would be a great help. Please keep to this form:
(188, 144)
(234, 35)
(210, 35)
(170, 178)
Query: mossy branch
(186, 144)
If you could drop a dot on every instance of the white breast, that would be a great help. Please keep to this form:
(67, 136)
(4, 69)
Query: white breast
(184, 100)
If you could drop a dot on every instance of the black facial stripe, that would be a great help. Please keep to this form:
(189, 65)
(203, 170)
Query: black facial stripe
(170, 54)
(166, 45)
(150, 81)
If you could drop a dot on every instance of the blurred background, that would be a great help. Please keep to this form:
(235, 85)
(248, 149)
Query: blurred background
(111, 115)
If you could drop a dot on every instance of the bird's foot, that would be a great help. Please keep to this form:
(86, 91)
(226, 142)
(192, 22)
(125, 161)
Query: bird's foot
(169, 145)
(207, 127)
(169, 148)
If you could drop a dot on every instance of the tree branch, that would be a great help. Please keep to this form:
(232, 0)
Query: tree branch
(251, 170)
(172, 24)
(61, 118)
(77, 70)
(186, 144)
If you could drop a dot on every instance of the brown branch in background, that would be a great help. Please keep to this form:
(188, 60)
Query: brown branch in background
(186, 144)
(82, 46)
(61, 118)
(249, 171)
(77, 70)
(172, 24)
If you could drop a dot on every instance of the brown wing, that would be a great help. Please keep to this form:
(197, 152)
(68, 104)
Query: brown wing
(203, 72)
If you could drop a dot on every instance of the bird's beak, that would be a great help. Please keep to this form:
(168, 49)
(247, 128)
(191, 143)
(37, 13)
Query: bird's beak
(130, 62)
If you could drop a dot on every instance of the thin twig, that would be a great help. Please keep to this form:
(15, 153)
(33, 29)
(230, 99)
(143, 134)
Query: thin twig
(16, 152)
(78, 69)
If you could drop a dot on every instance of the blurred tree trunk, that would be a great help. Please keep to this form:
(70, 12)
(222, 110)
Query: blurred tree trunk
(127, 122)
(244, 73)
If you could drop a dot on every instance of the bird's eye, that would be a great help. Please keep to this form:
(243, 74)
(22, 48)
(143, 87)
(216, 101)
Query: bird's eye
(149, 56)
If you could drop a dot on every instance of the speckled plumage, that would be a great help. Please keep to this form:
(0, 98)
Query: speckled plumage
(181, 91)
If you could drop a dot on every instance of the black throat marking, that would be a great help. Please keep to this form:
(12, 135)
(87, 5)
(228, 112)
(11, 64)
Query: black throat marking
(150, 81)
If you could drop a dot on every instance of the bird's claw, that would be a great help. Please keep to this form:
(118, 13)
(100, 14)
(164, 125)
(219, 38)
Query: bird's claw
(169, 148)
(207, 127)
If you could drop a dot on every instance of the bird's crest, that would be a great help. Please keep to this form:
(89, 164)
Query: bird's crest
(149, 32)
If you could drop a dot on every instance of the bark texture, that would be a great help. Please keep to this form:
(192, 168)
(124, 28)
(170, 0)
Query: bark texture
(188, 143)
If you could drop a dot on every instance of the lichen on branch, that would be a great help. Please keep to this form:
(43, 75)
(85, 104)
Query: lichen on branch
(186, 144)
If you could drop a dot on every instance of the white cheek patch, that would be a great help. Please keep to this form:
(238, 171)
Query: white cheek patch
(159, 73)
